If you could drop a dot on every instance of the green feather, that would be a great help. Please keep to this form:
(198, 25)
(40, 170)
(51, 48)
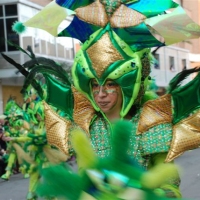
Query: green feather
(18, 27)
(121, 132)
(59, 181)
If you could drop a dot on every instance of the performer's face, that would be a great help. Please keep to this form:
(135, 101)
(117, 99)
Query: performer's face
(108, 97)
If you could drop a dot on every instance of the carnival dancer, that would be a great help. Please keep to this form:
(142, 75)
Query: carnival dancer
(35, 152)
(3, 154)
(15, 126)
(110, 75)
(115, 177)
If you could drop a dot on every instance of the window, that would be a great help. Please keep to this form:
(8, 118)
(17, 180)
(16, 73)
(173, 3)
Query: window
(157, 62)
(2, 36)
(1, 11)
(8, 15)
(171, 64)
(184, 64)
(10, 10)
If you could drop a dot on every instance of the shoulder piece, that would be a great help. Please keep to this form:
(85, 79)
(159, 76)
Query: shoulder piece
(55, 88)
(83, 110)
(186, 136)
(185, 98)
(155, 112)
(57, 129)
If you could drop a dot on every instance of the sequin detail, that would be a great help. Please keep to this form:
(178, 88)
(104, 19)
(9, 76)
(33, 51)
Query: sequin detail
(109, 54)
(155, 140)
(101, 137)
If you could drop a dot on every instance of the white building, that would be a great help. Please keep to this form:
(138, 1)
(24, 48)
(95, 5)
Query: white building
(171, 60)
(42, 43)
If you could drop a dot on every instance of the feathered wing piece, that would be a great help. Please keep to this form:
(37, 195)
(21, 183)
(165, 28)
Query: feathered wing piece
(116, 177)
(57, 83)
(24, 72)
(185, 98)
(185, 113)
(139, 25)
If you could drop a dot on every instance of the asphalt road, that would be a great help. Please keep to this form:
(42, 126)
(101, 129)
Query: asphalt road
(16, 188)
(190, 174)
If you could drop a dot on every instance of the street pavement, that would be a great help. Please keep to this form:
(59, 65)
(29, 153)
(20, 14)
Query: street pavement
(17, 187)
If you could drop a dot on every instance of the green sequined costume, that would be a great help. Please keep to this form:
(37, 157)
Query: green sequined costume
(148, 149)
(116, 39)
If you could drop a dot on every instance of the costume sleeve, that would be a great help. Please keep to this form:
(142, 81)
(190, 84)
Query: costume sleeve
(171, 187)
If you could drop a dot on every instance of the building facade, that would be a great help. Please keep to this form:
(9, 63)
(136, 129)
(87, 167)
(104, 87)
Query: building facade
(173, 59)
(193, 10)
(170, 61)
(42, 44)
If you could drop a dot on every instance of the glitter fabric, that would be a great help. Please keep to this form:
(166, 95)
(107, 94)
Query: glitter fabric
(124, 17)
(100, 137)
(141, 147)
(112, 5)
(93, 14)
(57, 129)
(83, 110)
(146, 66)
(108, 55)
(186, 136)
(155, 112)
(153, 122)
(157, 139)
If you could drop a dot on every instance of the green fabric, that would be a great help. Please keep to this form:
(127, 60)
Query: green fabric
(155, 140)
(55, 15)
(186, 99)
(102, 177)
(13, 109)
(152, 7)
(59, 95)
(111, 6)
(148, 149)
